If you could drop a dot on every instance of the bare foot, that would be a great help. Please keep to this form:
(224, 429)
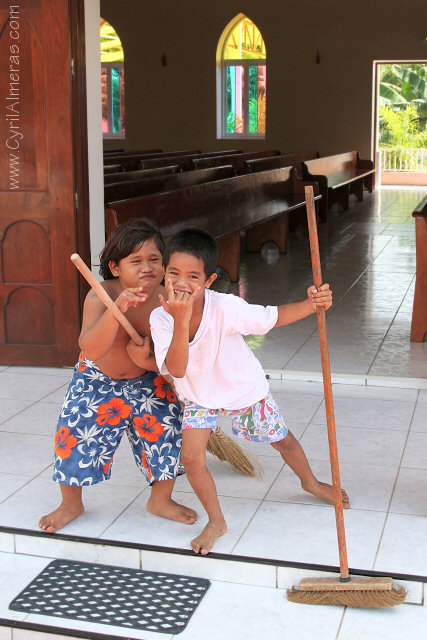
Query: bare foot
(171, 510)
(204, 542)
(64, 514)
(325, 492)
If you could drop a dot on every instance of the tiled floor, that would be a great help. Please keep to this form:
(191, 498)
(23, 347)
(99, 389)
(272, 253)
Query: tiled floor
(380, 398)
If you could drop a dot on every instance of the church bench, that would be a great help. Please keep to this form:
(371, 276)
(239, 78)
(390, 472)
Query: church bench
(419, 310)
(139, 174)
(130, 161)
(112, 168)
(258, 203)
(237, 160)
(338, 176)
(277, 162)
(186, 162)
(154, 184)
(122, 152)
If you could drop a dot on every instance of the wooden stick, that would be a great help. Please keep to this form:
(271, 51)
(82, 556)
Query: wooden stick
(327, 384)
(103, 295)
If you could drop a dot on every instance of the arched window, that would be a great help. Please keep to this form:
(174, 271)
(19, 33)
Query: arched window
(241, 81)
(112, 82)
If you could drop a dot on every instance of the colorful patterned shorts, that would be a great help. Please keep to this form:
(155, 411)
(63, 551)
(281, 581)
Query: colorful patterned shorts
(262, 422)
(97, 410)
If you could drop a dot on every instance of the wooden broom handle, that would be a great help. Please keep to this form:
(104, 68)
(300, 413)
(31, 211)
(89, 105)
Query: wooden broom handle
(327, 384)
(103, 295)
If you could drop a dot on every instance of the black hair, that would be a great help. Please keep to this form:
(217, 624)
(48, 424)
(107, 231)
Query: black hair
(126, 239)
(197, 243)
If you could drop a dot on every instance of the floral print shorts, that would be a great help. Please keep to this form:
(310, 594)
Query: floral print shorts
(261, 422)
(97, 410)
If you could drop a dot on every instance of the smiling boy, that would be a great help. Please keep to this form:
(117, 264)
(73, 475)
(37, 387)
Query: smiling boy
(198, 339)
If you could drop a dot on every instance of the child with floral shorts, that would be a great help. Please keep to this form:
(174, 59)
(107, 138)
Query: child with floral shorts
(116, 386)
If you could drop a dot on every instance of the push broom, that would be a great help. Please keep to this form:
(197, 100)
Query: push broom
(219, 444)
(365, 592)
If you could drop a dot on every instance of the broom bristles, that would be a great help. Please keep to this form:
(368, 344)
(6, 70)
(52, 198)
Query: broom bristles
(379, 599)
(226, 450)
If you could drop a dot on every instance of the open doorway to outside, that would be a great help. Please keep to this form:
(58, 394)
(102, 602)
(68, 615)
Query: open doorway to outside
(401, 122)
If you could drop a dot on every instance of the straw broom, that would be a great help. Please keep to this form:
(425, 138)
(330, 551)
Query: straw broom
(362, 592)
(219, 444)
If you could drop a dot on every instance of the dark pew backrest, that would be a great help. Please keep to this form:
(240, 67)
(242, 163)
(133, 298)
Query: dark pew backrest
(112, 168)
(276, 162)
(122, 152)
(139, 174)
(237, 160)
(124, 190)
(130, 162)
(338, 176)
(185, 163)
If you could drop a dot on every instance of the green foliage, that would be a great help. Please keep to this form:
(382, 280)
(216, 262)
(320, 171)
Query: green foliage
(403, 106)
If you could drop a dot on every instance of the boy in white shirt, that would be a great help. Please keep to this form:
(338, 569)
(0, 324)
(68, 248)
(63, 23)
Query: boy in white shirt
(197, 335)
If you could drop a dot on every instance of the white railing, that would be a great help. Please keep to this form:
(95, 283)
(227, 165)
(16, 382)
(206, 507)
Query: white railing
(410, 160)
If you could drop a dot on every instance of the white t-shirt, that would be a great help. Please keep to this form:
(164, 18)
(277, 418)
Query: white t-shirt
(222, 372)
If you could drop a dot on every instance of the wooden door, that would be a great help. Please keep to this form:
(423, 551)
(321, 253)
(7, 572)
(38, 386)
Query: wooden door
(39, 228)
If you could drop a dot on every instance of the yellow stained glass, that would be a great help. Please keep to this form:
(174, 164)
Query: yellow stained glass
(111, 47)
(245, 42)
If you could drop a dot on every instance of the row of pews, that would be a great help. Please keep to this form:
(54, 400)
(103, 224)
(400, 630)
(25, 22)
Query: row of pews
(228, 192)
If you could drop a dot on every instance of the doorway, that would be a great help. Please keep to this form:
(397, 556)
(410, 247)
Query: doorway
(400, 132)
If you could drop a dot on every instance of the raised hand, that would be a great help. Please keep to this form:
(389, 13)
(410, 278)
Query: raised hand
(180, 303)
(130, 298)
(321, 297)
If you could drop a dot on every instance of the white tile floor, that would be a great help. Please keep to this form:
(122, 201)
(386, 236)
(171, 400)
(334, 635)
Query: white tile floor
(380, 398)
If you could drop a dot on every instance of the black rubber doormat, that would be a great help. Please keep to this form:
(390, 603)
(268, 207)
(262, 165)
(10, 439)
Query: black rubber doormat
(130, 598)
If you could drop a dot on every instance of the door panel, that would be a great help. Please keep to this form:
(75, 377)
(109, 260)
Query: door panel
(39, 293)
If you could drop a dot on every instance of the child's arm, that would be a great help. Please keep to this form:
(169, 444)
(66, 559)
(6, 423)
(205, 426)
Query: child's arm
(142, 355)
(288, 313)
(99, 326)
(180, 307)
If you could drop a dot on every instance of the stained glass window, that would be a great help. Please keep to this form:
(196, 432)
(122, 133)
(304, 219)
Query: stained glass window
(112, 82)
(244, 81)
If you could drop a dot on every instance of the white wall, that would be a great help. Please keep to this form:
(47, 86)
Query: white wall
(94, 113)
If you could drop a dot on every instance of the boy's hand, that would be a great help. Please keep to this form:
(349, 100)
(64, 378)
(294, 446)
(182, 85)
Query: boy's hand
(142, 355)
(179, 305)
(320, 298)
(130, 298)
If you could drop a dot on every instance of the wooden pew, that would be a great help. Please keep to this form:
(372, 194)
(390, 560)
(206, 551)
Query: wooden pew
(419, 310)
(119, 152)
(257, 203)
(276, 162)
(134, 188)
(237, 160)
(139, 174)
(130, 162)
(338, 176)
(186, 162)
(112, 168)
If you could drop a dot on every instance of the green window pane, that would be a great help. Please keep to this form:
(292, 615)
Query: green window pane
(231, 73)
(115, 100)
(253, 99)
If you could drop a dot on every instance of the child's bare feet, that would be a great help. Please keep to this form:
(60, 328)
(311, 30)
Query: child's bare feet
(325, 492)
(170, 509)
(204, 542)
(64, 514)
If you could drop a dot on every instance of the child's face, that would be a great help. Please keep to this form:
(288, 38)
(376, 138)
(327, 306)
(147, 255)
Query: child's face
(142, 268)
(186, 273)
